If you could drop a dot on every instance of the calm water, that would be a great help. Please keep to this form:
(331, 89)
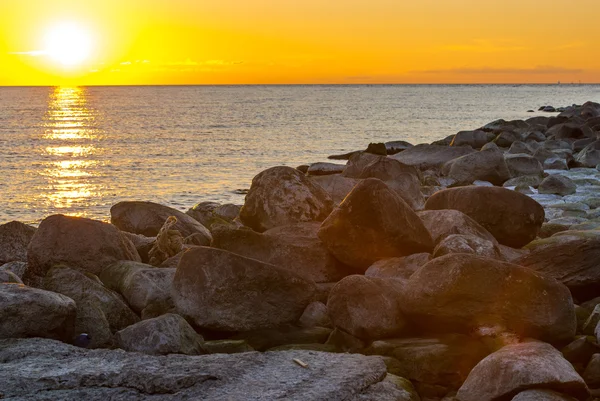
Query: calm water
(80, 150)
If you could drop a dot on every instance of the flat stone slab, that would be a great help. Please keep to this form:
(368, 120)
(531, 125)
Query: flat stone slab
(42, 369)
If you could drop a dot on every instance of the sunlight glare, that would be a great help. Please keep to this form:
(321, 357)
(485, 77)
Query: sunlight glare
(68, 44)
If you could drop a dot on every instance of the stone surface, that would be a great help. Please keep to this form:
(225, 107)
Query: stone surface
(589, 156)
(264, 339)
(336, 185)
(38, 369)
(398, 268)
(295, 247)
(459, 243)
(557, 184)
(518, 367)
(282, 196)
(428, 157)
(325, 169)
(166, 334)
(475, 139)
(485, 165)
(358, 162)
(446, 222)
(512, 218)
(523, 165)
(143, 286)
(460, 293)
(373, 223)
(213, 213)
(541, 395)
(219, 290)
(591, 374)
(81, 243)
(100, 311)
(31, 312)
(315, 315)
(14, 238)
(573, 263)
(367, 308)
(444, 360)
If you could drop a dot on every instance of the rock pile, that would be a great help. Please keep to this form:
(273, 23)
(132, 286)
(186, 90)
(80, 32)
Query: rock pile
(462, 270)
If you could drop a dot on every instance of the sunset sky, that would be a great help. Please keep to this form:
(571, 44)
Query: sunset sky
(114, 42)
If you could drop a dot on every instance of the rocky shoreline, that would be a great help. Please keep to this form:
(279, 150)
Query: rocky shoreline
(463, 270)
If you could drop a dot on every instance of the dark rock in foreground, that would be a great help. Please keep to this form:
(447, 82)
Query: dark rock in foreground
(37, 369)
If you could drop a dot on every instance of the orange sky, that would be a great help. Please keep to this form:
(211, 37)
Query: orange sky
(305, 41)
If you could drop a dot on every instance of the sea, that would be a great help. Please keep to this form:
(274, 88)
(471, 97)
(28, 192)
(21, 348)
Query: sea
(79, 150)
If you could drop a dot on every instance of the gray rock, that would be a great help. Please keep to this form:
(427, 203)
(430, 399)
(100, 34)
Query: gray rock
(100, 311)
(6, 276)
(38, 369)
(373, 223)
(325, 169)
(518, 367)
(519, 147)
(543, 154)
(475, 139)
(367, 308)
(219, 290)
(358, 162)
(506, 138)
(557, 184)
(459, 243)
(526, 180)
(427, 157)
(589, 156)
(295, 247)
(16, 267)
(461, 292)
(227, 347)
(541, 395)
(166, 334)
(523, 165)
(31, 312)
(315, 315)
(443, 223)
(282, 196)
(14, 238)
(398, 268)
(591, 375)
(485, 165)
(143, 286)
(84, 244)
(336, 185)
(512, 218)
(555, 163)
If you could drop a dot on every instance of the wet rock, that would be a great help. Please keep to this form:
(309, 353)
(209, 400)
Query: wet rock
(398, 268)
(518, 367)
(141, 285)
(428, 157)
(366, 307)
(315, 315)
(295, 247)
(147, 218)
(31, 312)
(373, 223)
(14, 238)
(325, 169)
(486, 165)
(573, 263)
(282, 196)
(264, 339)
(444, 360)
(557, 184)
(100, 311)
(51, 370)
(459, 293)
(458, 243)
(401, 178)
(337, 186)
(84, 244)
(219, 290)
(523, 165)
(512, 218)
(167, 334)
(475, 139)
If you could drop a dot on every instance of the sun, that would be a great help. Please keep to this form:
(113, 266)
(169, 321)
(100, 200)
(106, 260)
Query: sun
(68, 44)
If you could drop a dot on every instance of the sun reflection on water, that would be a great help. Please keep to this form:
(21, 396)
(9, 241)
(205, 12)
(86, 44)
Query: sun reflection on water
(71, 151)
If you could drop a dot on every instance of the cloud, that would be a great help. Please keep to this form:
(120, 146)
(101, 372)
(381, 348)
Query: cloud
(539, 70)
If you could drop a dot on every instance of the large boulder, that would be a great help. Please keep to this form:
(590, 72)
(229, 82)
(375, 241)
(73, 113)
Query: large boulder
(403, 179)
(31, 312)
(518, 367)
(166, 334)
(589, 156)
(78, 242)
(14, 238)
(398, 268)
(460, 243)
(295, 247)
(569, 131)
(512, 218)
(220, 290)
(475, 139)
(336, 185)
(523, 165)
(282, 196)
(431, 157)
(460, 293)
(443, 223)
(373, 223)
(143, 286)
(358, 162)
(485, 165)
(38, 369)
(366, 307)
(147, 218)
(100, 311)
(557, 184)
(444, 360)
(573, 263)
